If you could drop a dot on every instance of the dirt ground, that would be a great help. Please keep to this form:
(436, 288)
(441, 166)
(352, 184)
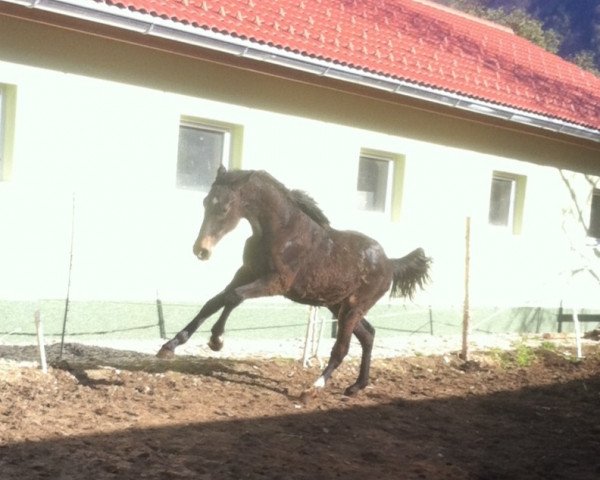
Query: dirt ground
(110, 414)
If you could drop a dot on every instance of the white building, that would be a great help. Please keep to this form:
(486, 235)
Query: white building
(124, 114)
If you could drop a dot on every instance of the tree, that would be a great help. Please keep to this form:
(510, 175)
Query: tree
(570, 29)
(521, 22)
(586, 60)
(527, 27)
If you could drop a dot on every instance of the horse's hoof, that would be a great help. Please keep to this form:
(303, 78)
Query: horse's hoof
(165, 353)
(309, 394)
(215, 344)
(353, 390)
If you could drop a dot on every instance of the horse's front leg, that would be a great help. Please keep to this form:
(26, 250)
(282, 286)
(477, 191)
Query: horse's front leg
(227, 300)
(243, 276)
(216, 342)
(267, 286)
(209, 308)
(237, 292)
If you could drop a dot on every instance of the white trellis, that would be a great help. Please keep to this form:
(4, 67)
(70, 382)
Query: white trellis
(314, 332)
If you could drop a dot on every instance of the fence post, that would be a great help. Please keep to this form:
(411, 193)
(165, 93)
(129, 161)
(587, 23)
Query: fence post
(161, 318)
(40, 339)
(466, 307)
(430, 321)
(577, 332)
(68, 293)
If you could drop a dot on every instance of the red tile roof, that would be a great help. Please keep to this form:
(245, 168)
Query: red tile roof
(407, 40)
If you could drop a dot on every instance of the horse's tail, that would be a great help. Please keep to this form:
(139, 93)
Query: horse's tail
(410, 271)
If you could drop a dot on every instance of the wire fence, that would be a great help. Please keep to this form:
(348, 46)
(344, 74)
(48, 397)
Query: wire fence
(154, 320)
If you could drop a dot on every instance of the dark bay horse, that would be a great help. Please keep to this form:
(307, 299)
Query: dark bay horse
(294, 252)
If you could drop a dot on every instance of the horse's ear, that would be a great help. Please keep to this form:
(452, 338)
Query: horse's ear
(221, 171)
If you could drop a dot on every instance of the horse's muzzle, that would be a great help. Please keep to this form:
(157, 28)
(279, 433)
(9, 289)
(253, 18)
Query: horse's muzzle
(203, 254)
(203, 247)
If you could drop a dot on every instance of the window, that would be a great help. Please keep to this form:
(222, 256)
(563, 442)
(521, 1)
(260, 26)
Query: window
(7, 120)
(372, 185)
(594, 228)
(507, 195)
(502, 201)
(379, 182)
(202, 148)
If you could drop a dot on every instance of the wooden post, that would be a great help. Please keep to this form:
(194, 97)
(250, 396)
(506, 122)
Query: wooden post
(577, 332)
(430, 321)
(466, 307)
(161, 317)
(40, 339)
(68, 295)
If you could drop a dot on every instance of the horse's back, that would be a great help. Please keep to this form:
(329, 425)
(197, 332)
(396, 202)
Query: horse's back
(341, 264)
(360, 254)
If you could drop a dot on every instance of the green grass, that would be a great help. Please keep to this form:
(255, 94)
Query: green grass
(524, 355)
(548, 346)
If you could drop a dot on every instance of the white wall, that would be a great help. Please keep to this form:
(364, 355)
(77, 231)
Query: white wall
(113, 148)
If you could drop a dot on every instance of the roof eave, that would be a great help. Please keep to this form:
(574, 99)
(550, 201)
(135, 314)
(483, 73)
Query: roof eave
(146, 24)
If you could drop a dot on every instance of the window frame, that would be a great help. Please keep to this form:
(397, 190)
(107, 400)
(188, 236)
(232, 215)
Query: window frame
(593, 230)
(517, 201)
(394, 184)
(8, 95)
(232, 145)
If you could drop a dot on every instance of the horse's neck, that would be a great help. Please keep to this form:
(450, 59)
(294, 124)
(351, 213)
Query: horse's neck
(268, 210)
(257, 229)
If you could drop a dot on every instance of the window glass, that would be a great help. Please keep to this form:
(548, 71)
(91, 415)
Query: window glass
(502, 201)
(2, 139)
(594, 229)
(201, 150)
(372, 184)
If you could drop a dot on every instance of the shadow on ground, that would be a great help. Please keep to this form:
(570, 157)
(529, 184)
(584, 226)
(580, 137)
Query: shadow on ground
(547, 432)
(77, 359)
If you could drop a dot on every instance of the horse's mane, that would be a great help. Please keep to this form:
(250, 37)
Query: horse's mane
(299, 198)
(309, 206)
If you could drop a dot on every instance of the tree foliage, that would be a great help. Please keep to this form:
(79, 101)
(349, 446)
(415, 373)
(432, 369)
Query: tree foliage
(568, 28)
(526, 26)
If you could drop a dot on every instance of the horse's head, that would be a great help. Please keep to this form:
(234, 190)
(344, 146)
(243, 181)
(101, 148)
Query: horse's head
(222, 212)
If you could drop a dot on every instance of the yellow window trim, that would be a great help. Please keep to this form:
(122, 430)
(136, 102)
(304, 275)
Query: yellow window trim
(397, 185)
(7, 129)
(519, 198)
(236, 134)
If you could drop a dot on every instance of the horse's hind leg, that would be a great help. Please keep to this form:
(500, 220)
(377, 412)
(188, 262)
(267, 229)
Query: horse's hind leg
(365, 333)
(347, 321)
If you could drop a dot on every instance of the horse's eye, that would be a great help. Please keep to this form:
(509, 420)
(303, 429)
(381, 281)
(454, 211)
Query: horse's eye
(220, 209)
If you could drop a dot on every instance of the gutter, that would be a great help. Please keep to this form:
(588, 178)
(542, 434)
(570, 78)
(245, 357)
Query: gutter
(146, 24)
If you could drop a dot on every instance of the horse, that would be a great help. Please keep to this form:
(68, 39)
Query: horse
(295, 253)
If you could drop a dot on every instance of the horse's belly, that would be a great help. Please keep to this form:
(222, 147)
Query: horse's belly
(318, 296)
(325, 284)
